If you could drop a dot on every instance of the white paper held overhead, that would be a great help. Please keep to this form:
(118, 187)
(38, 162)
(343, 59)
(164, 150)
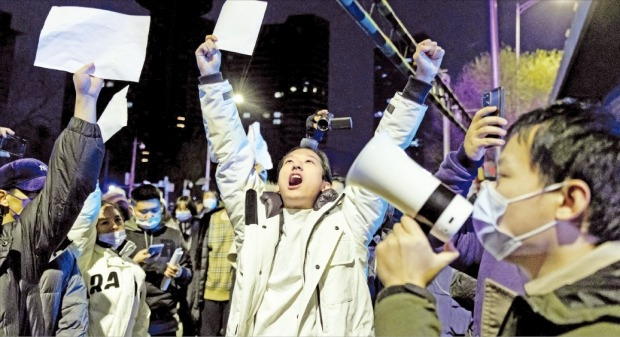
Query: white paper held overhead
(74, 36)
(238, 25)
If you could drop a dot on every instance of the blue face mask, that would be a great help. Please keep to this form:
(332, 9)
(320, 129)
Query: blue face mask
(151, 223)
(489, 207)
(114, 239)
(209, 204)
(183, 216)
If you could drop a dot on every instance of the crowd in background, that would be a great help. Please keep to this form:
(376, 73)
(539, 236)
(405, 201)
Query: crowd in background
(539, 256)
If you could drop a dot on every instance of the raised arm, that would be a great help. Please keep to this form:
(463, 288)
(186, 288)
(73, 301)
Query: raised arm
(459, 169)
(228, 143)
(400, 121)
(83, 234)
(73, 170)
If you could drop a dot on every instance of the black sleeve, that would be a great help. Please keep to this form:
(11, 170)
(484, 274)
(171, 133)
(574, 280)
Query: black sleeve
(72, 175)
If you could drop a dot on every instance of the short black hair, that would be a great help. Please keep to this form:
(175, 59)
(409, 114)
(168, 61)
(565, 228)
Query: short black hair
(327, 172)
(145, 192)
(579, 141)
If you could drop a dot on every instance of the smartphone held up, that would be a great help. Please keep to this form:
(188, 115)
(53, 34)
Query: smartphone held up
(495, 98)
(11, 145)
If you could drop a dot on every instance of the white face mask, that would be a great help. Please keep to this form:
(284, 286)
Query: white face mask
(183, 216)
(489, 207)
(209, 204)
(114, 239)
(151, 223)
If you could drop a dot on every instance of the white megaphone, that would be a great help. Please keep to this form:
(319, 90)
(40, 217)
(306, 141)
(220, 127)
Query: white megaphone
(384, 169)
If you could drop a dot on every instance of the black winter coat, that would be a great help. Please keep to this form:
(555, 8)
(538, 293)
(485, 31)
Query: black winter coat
(26, 245)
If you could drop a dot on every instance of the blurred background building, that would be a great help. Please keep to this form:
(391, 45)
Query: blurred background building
(310, 55)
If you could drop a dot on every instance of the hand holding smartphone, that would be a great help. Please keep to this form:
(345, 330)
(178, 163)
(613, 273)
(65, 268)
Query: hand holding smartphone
(12, 145)
(495, 98)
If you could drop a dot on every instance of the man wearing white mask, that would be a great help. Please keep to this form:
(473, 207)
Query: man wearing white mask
(149, 230)
(552, 212)
(116, 284)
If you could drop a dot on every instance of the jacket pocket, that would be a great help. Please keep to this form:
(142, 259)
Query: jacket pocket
(344, 260)
(338, 281)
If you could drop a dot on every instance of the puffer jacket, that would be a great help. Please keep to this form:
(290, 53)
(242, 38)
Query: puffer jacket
(579, 299)
(27, 244)
(63, 294)
(116, 285)
(335, 296)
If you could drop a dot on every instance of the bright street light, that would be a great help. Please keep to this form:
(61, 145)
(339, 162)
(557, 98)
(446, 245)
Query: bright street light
(238, 98)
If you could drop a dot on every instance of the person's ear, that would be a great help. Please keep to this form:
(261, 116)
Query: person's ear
(575, 200)
(326, 185)
(3, 198)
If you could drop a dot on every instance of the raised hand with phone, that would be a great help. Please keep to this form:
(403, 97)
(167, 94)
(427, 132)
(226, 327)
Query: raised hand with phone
(11, 145)
(485, 131)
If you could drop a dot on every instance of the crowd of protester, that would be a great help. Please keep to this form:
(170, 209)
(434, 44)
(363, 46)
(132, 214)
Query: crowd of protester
(310, 255)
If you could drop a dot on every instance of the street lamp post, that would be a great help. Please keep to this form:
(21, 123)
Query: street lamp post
(132, 170)
(519, 9)
(134, 157)
(492, 155)
(493, 21)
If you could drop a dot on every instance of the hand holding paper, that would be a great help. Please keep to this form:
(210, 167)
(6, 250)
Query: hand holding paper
(208, 56)
(87, 89)
(174, 262)
(238, 25)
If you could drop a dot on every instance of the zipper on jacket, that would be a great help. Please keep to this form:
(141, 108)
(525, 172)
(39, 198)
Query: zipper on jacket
(318, 221)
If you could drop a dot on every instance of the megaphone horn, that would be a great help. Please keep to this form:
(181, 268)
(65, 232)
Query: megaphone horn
(384, 169)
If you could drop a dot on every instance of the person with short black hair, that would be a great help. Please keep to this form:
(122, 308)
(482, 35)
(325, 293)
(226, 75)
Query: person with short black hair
(552, 212)
(147, 229)
(301, 253)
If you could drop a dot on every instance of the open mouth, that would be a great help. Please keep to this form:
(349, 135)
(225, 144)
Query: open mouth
(294, 180)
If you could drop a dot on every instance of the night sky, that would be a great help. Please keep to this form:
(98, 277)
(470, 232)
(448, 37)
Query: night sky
(460, 26)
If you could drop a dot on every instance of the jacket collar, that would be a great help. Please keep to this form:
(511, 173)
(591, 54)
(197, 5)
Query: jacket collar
(601, 257)
(274, 204)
